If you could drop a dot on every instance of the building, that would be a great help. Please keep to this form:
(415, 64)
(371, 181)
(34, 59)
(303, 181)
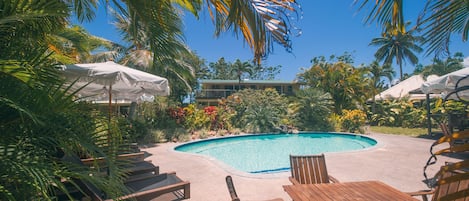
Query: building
(213, 90)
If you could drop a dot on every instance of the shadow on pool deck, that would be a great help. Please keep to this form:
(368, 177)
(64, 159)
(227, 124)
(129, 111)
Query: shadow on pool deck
(395, 160)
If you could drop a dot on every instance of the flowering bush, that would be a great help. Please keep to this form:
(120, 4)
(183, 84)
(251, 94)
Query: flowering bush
(352, 120)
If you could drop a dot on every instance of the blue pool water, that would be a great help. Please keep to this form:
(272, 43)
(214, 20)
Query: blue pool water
(270, 152)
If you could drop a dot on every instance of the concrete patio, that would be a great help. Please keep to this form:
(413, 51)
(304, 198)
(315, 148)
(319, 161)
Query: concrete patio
(396, 160)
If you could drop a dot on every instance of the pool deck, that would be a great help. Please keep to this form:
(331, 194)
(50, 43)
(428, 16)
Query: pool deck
(396, 160)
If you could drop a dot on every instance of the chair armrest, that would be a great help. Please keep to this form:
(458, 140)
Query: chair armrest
(333, 179)
(293, 181)
(422, 193)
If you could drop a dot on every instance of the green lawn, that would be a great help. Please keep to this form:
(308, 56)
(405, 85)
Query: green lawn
(400, 131)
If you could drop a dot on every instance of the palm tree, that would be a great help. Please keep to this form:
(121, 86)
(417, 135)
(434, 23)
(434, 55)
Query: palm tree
(438, 21)
(239, 68)
(376, 72)
(398, 45)
(172, 55)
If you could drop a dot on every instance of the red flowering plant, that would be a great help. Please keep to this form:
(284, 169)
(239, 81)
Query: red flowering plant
(211, 112)
(178, 114)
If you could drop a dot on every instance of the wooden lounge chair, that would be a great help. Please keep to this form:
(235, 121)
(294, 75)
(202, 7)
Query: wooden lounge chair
(309, 169)
(232, 190)
(132, 163)
(452, 184)
(144, 186)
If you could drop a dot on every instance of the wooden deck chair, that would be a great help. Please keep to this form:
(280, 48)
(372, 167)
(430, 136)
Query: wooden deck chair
(131, 163)
(309, 169)
(144, 186)
(232, 190)
(452, 184)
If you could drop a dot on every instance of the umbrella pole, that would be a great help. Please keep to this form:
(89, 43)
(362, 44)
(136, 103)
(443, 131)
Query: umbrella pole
(109, 116)
(110, 102)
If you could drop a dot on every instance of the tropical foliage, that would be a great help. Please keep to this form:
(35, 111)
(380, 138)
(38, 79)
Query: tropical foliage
(353, 120)
(336, 76)
(311, 109)
(398, 113)
(257, 110)
(238, 70)
(440, 67)
(440, 19)
(399, 45)
(376, 72)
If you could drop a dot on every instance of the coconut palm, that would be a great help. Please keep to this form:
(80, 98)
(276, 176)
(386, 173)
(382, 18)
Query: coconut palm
(172, 55)
(397, 45)
(438, 21)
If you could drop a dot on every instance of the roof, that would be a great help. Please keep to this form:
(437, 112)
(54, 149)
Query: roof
(247, 82)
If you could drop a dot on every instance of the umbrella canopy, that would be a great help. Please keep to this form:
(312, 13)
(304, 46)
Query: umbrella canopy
(447, 83)
(108, 79)
(403, 89)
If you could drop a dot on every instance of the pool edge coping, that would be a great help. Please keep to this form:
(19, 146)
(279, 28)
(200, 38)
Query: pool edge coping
(273, 175)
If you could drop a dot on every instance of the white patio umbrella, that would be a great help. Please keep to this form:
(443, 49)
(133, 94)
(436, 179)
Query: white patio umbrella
(446, 84)
(114, 81)
(110, 81)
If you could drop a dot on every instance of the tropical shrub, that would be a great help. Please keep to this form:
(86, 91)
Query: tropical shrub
(195, 118)
(257, 110)
(40, 123)
(311, 109)
(353, 120)
(398, 113)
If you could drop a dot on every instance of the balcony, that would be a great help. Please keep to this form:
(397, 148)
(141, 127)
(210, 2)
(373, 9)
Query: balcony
(214, 93)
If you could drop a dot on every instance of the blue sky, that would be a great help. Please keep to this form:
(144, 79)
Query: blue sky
(329, 27)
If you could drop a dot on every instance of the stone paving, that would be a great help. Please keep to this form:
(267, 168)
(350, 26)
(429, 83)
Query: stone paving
(395, 160)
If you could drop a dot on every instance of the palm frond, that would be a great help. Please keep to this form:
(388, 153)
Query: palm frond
(260, 22)
(440, 19)
(385, 11)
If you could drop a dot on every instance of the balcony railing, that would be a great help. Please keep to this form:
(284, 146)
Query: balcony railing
(214, 93)
(223, 93)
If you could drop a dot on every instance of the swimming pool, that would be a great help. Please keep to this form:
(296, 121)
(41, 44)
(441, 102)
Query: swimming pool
(269, 153)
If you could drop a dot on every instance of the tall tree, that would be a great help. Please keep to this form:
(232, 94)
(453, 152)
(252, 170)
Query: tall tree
(376, 73)
(397, 45)
(262, 72)
(240, 68)
(173, 63)
(220, 69)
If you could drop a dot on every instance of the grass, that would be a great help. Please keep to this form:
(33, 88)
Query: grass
(414, 132)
